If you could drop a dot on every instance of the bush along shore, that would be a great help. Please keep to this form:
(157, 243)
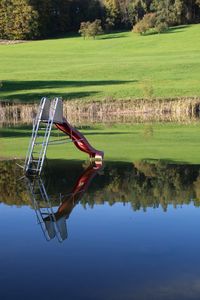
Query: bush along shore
(184, 109)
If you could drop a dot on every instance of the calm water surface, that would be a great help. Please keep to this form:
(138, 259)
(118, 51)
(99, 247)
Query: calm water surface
(121, 232)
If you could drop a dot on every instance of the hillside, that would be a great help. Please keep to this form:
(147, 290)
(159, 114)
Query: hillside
(121, 65)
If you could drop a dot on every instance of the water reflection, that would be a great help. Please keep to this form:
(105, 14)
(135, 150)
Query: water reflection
(142, 184)
(121, 251)
(53, 223)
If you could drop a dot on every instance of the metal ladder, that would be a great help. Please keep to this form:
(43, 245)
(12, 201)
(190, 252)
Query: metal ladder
(38, 193)
(37, 147)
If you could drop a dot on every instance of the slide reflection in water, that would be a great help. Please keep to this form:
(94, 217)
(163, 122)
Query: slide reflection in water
(53, 223)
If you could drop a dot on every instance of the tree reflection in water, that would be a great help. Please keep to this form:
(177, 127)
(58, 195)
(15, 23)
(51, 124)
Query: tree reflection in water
(141, 184)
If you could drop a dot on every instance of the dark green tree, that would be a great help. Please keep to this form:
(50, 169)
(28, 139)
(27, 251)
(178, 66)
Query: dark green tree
(168, 11)
(112, 14)
(83, 11)
(191, 11)
(18, 20)
(54, 16)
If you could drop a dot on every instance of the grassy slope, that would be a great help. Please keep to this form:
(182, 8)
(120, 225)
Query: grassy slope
(118, 65)
(171, 142)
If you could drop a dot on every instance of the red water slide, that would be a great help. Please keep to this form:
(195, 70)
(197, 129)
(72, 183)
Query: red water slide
(79, 140)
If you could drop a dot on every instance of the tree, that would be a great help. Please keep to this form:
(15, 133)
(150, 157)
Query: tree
(54, 16)
(131, 11)
(90, 29)
(112, 13)
(161, 27)
(168, 11)
(95, 28)
(140, 8)
(83, 11)
(18, 20)
(191, 11)
(84, 31)
(148, 22)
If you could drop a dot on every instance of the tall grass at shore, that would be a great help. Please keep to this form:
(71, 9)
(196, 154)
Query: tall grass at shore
(185, 110)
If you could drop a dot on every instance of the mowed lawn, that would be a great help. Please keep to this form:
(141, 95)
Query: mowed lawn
(167, 142)
(120, 65)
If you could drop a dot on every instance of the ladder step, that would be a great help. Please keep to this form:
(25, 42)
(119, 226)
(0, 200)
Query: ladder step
(39, 143)
(58, 143)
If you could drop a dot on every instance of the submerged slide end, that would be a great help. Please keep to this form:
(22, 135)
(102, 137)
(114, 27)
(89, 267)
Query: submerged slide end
(99, 155)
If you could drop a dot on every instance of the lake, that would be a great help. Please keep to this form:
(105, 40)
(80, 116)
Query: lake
(121, 231)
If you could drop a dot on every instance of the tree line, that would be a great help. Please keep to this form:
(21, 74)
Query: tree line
(142, 185)
(30, 19)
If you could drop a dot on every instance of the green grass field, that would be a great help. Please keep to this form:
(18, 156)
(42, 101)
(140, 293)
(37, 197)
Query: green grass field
(120, 65)
(167, 142)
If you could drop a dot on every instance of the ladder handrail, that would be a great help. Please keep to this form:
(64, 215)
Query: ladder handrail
(34, 133)
(37, 209)
(48, 132)
(50, 210)
(38, 185)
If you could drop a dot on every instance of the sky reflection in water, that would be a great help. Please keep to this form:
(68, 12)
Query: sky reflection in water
(118, 246)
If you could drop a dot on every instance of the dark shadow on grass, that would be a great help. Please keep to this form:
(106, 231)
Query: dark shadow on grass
(12, 86)
(35, 97)
(15, 133)
(25, 131)
(170, 30)
(113, 36)
(25, 89)
(107, 133)
(176, 29)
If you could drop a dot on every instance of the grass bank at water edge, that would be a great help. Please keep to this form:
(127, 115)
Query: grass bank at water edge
(167, 142)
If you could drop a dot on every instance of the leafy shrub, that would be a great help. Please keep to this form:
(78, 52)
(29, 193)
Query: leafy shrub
(148, 22)
(90, 29)
(161, 27)
(151, 23)
(84, 29)
(140, 28)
